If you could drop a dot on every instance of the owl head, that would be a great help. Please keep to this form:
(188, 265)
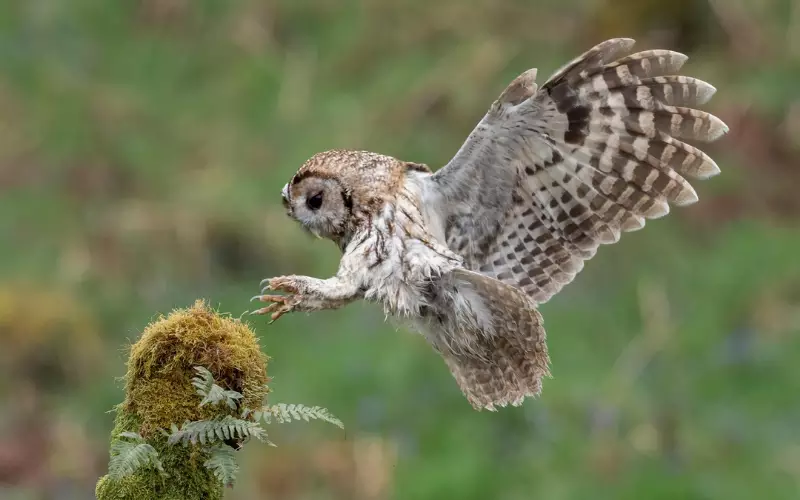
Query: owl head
(336, 191)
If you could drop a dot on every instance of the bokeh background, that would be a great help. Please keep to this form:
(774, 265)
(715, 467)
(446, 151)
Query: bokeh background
(143, 145)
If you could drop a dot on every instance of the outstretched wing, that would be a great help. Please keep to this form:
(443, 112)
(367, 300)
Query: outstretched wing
(547, 176)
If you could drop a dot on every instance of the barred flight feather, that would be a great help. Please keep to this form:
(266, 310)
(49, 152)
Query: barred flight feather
(595, 152)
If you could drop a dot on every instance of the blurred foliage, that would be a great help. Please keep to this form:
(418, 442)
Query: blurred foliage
(143, 145)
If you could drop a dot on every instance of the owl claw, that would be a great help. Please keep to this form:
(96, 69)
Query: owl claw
(280, 305)
(286, 284)
(275, 299)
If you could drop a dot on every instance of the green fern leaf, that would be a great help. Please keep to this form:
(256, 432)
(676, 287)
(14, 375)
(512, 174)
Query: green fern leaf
(129, 456)
(212, 393)
(216, 430)
(203, 381)
(293, 412)
(222, 463)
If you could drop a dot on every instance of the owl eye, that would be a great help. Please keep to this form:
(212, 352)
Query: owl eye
(315, 201)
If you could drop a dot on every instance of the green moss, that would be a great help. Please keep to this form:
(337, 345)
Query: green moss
(159, 393)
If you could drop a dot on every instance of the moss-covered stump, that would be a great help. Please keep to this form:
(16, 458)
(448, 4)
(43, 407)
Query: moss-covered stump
(159, 393)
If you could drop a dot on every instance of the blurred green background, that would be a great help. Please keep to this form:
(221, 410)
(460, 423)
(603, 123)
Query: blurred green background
(143, 145)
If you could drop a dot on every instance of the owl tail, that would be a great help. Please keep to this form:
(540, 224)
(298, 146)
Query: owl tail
(507, 359)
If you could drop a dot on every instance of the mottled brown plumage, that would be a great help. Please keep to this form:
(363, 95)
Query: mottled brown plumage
(548, 175)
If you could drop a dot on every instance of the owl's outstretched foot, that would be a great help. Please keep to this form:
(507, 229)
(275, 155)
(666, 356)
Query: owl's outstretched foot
(279, 304)
(304, 294)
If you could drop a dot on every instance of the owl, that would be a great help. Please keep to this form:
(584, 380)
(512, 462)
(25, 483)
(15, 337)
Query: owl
(466, 254)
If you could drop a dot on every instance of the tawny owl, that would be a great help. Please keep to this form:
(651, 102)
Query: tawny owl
(467, 253)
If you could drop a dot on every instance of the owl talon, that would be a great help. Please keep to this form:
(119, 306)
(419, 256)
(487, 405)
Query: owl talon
(280, 305)
(275, 299)
(286, 284)
(277, 314)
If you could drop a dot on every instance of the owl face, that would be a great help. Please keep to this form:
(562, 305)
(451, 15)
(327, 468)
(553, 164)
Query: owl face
(335, 192)
(319, 204)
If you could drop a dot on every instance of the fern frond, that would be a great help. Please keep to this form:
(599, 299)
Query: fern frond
(217, 395)
(212, 393)
(203, 380)
(129, 456)
(223, 463)
(289, 412)
(219, 429)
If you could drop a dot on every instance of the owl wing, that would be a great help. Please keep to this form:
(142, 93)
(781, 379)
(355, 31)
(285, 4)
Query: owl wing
(548, 175)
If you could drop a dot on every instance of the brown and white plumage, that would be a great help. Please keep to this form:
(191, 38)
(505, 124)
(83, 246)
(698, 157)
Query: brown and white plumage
(545, 178)
(594, 153)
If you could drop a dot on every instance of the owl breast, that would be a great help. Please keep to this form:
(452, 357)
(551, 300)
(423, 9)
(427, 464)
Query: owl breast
(397, 259)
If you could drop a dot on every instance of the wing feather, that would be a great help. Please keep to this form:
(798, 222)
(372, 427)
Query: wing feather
(550, 174)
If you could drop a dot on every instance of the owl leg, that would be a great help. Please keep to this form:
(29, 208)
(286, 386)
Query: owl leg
(304, 294)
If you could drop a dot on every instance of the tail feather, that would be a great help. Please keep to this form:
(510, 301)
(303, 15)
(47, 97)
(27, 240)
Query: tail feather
(505, 364)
